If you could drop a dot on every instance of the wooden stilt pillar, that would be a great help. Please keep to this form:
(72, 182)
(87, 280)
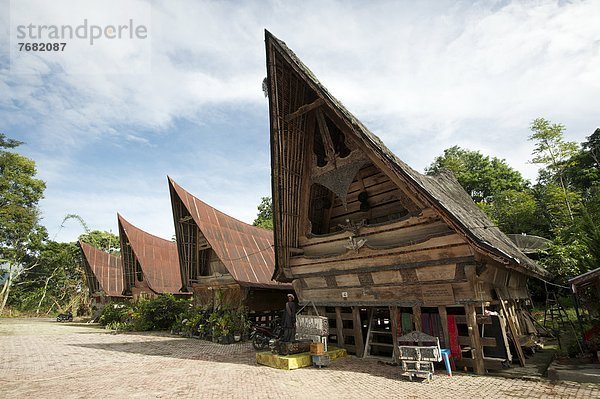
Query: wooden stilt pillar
(359, 344)
(394, 326)
(339, 326)
(417, 317)
(476, 348)
(444, 319)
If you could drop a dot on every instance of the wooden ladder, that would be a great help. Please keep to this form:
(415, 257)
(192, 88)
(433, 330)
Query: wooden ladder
(554, 310)
(379, 334)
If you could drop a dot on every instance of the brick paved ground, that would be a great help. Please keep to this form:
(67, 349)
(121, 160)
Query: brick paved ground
(45, 359)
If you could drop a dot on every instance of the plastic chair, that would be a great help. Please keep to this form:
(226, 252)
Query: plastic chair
(446, 353)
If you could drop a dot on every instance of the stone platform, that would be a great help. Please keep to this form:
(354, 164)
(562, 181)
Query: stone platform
(296, 361)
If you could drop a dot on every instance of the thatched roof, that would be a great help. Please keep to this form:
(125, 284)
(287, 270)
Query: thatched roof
(443, 191)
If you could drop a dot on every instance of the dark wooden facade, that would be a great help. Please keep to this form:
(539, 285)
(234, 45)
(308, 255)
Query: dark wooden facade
(223, 261)
(371, 241)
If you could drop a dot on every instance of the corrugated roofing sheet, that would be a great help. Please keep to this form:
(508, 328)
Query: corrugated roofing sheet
(245, 250)
(107, 269)
(157, 257)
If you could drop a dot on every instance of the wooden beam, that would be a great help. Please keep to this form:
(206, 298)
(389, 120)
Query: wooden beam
(339, 326)
(358, 336)
(416, 311)
(325, 136)
(476, 347)
(304, 109)
(394, 325)
(512, 329)
(485, 341)
(444, 319)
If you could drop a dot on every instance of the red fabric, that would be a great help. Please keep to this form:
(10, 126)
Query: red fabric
(453, 334)
(589, 334)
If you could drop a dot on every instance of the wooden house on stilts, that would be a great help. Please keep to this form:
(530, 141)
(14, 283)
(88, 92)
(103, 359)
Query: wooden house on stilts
(104, 275)
(224, 262)
(378, 247)
(150, 263)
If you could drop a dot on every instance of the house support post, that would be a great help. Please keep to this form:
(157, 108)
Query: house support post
(339, 325)
(476, 348)
(359, 343)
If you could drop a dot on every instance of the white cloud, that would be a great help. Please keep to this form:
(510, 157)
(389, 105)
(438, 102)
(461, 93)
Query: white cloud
(423, 76)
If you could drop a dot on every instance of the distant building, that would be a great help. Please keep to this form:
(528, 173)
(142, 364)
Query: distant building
(223, 261)
(150, 263)
(104, 275)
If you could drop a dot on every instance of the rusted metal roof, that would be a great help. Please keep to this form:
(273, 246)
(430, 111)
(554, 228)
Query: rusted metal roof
(106, 269)
(245, 250)
(157, 257)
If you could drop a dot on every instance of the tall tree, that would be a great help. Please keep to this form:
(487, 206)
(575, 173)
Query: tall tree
(54, 282)
(514, 212)
(583, 169)
(264, 218)
(552, 151)
(481, 176)
(20, 233)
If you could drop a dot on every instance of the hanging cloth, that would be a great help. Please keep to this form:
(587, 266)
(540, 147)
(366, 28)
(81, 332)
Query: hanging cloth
(453, 334)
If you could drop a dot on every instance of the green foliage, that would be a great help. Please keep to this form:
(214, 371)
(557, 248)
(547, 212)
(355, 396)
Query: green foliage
(551, 149)
(217, 325)
(481, 176)
(116, 312)
(563, 205)
(191, 322)
(513, 211)
(52, 282)
(8, 143)
(20, 193)
(118, 326)
(104, 240)
(264, 218)
(564, 259)
(552, 201)
(20, 233)
(158, 313)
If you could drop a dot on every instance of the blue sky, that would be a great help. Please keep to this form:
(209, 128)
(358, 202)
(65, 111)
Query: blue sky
(107, 123)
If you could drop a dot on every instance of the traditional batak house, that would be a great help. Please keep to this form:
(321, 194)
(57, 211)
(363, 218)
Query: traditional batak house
(224, 261)
(150, 263)
(104, 275)
(378, 247)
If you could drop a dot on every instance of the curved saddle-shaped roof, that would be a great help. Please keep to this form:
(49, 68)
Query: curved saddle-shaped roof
(157, 257)
(245, 250)
(106, 269)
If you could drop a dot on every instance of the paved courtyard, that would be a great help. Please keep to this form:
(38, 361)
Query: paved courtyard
(40, 358)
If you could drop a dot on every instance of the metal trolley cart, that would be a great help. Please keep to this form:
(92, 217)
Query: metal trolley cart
(418, 355)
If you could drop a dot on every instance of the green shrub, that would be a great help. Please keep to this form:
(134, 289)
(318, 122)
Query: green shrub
(119, 312)
(159, 313)
(119, 326)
